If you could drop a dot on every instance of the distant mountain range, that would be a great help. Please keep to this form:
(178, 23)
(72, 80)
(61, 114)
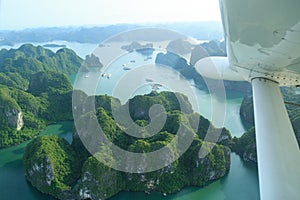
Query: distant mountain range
(198, 30)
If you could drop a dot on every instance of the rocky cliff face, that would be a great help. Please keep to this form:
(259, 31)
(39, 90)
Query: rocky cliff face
(100, 182)
(20, 122)
(13, 117)
(50, 166)
(249, 155)
(41, 173)
(10, 111)
(245, 146)
(246, 110)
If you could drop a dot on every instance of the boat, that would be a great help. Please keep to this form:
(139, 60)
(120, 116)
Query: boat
(108, 75)
(86, 76)
(149, 80)
(103, 74)
(132, 61)
(126, 68)
(156, 86)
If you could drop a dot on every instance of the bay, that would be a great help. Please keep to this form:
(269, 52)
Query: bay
(240, 183)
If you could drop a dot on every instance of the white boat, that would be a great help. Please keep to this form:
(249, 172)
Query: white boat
(149, 80)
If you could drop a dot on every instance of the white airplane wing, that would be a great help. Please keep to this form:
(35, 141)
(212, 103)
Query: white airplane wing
(263, 37)
(263, 47)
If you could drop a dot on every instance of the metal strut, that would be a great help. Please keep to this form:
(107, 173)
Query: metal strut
(277, 148)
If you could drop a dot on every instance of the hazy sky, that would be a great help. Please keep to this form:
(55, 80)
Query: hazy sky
(17, 14)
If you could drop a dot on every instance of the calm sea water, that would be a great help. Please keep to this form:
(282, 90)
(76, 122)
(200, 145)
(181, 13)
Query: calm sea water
(241, 183)
(13, 184)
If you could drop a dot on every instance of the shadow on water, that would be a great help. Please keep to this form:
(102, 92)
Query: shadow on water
(37, 194)
(241, 183)
(14, 184)
(13, 165)
(210, 192)
(19, 151)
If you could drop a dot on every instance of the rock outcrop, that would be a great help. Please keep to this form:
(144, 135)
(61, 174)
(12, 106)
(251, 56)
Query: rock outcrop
(136, 46)
(100, 182)
(14, 118)
(51, 166)
(245, 146)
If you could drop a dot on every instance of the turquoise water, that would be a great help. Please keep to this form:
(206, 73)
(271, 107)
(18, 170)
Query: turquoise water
(124, 84)
(13, 184)
(241, 183)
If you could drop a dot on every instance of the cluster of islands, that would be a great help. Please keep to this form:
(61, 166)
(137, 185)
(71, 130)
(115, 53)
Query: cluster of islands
(35, 91)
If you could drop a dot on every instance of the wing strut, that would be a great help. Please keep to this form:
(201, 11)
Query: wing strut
(277, 149)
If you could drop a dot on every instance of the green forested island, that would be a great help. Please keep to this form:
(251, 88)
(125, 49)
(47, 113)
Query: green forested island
(83, 176)
(34, 90)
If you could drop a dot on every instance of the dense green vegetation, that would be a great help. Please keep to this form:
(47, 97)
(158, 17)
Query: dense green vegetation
(17, 102)
(245, 146)
(50, 165)
(29, 59)
(99, 181)
(33, 90)
(36, 92)
(48, 99)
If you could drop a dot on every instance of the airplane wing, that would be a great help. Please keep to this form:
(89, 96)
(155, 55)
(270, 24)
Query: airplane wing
(263, 47)
(263, 38)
